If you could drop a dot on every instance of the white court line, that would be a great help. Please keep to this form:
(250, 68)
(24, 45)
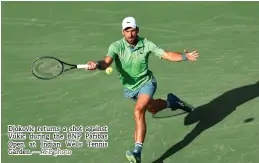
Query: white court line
(35, 21)
(106, 11)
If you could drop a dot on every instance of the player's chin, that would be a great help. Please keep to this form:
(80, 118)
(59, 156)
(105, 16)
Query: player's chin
(130, 40)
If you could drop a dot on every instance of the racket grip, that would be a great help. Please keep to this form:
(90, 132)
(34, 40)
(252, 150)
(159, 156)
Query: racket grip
(82, 66)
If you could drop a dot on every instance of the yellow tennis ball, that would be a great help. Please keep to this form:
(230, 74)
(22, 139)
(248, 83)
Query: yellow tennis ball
(108, 70)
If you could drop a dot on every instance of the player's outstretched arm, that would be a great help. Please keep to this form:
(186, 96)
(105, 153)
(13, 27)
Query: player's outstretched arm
(177, 57)
(101, 65)
(172, 56)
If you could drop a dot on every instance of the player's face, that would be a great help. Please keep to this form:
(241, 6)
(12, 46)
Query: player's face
(130, 34)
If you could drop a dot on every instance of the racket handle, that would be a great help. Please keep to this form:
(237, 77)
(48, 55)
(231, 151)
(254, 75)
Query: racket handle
(82, 66)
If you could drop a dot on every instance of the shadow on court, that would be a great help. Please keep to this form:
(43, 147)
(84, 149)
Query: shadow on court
(212, 113)
(248, 120)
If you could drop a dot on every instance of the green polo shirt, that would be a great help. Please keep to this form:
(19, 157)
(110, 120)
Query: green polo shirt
(132, 64)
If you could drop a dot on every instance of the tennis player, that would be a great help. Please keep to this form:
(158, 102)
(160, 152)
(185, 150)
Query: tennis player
(130, 55)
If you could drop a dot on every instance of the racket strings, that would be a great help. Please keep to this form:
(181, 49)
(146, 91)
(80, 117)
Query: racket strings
(47, 68)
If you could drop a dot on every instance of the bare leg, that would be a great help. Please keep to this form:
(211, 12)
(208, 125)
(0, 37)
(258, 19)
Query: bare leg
(139, 116)
(156, 105)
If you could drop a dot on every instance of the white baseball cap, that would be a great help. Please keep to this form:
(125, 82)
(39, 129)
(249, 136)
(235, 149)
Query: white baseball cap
(129, 22)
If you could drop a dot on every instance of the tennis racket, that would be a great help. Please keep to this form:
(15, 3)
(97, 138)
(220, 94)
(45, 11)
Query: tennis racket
(168, 112)
(47, 67)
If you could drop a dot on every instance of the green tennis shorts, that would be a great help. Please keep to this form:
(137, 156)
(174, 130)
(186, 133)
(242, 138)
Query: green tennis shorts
(148, 88)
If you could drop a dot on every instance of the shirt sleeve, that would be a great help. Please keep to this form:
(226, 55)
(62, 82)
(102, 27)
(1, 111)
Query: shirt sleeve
(112, 50)
(156, 50)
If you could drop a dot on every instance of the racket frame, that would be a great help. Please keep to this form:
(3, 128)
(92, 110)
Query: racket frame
(62, 63)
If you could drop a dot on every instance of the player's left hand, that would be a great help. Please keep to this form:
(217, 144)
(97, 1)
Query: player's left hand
(192, 56)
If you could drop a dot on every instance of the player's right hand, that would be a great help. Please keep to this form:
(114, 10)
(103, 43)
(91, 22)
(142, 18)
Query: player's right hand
(92, 65)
